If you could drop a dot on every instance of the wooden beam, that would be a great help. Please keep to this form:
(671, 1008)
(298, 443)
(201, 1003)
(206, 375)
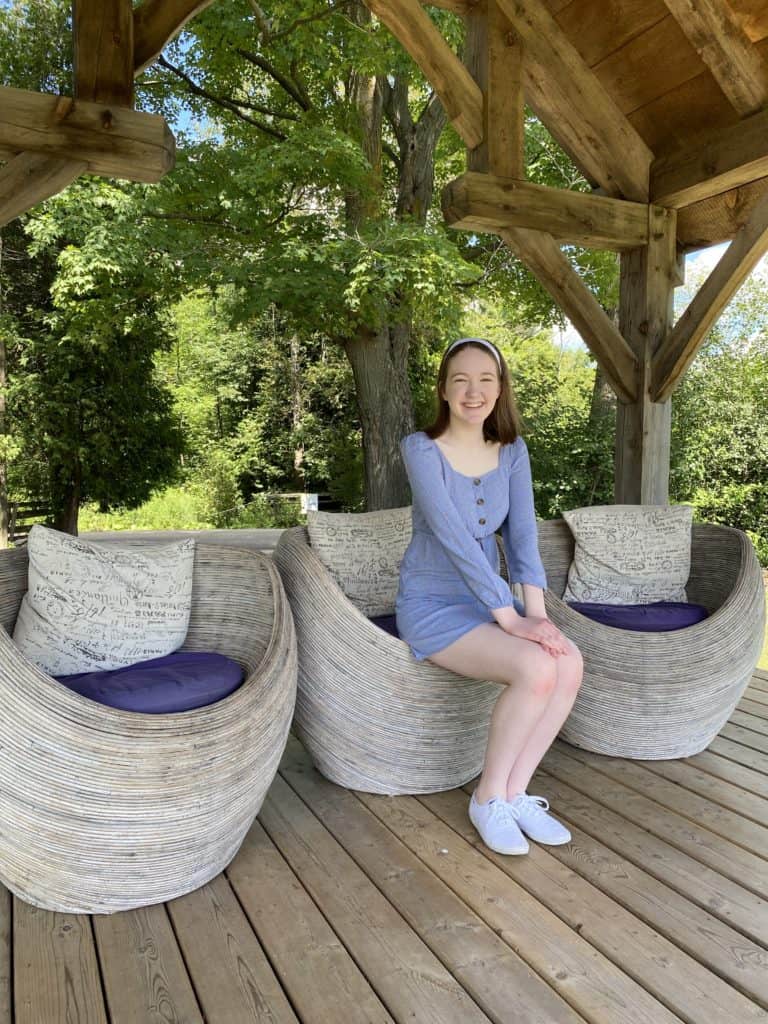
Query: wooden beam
(115, 141)
(156, 22)
(415, 30)
(718, 218)
(713, 163)
(681, 345)
(714, 31)
(540, 253)
(103, 46)
(570, 100)
(643, 427)
(495, 60)
(483, 202)
(30, 178)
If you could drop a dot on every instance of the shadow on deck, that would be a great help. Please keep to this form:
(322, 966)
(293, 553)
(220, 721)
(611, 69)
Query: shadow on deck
(345, 907)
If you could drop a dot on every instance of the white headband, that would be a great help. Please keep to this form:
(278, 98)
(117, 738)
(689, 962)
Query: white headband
(476, 341)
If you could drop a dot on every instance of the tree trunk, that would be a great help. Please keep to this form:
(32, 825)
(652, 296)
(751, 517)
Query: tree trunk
(65, 516)
(297, 410)
(602, 414)
(380, 366)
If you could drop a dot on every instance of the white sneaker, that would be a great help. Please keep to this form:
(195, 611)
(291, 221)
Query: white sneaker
(496, 821)
(533, 819)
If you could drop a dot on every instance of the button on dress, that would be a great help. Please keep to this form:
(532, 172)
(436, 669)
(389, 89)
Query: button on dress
(449, 577)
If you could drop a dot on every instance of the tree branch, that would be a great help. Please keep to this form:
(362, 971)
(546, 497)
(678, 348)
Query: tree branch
(221, 101)
(285, 83)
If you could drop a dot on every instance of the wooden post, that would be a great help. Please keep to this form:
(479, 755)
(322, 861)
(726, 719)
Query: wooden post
(645, 317)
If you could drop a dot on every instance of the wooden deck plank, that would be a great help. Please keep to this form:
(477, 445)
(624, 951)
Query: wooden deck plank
(727, 795)
(664, 970)
(719, 766)
(56, 973)
(754, 722)
(711, 940)
(719, 820)
(589, 981)
(627, 825)
(320, 977)
(232, 977)
(145, 979)
(739, 753)
(6, 956)
(409, 979)
(750, 703)
(757, 694)
(494, 975)
(746, 737)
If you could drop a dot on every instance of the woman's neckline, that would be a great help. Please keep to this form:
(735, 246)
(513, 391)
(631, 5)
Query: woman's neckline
(474, 476)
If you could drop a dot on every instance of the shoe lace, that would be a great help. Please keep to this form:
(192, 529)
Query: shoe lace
(534, 804)
(504, 812)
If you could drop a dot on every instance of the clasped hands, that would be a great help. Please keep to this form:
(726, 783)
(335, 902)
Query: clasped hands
(538, 629)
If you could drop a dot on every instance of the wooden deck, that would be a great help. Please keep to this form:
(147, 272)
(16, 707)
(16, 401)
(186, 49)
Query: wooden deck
(346, 908)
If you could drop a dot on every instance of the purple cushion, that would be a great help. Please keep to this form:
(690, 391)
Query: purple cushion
(388, 623)
(659, 617)
(177, 682)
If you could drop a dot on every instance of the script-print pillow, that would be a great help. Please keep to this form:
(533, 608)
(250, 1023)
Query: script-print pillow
(95, 607)
(363, 552)
(629, 554)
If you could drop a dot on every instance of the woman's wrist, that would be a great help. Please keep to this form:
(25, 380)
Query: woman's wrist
(533, 598)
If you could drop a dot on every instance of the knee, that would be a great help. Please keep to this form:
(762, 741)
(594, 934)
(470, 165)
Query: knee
(537, 675)
(570, 671)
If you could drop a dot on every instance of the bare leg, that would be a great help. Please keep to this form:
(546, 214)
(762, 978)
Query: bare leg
(570, 669)
(487, 652)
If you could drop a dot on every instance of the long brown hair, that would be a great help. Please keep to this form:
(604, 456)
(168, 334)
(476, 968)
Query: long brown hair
(504, 424)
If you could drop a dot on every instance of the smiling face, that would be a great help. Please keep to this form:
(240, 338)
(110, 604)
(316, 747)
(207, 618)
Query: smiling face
(472, 385)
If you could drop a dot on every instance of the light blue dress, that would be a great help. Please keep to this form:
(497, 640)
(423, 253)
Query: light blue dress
(449, 577)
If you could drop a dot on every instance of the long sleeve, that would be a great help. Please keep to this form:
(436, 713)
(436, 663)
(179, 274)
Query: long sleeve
(431, 497)
(519, 530)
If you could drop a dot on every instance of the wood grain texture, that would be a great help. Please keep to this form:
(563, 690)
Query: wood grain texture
(571, 101)
(144, 976)
(113, 141)
(156, 22)
(717, 36)
(485, 202)
(409, 979)
(319, 975)
(643, 428)
(495, 58)
(678, 348)
(56, 974)
(492, 973)
(31, 177)
(461, 97)
(544, 258)
(624, 822)
(233, 977)
(103, 50)
(712, 163)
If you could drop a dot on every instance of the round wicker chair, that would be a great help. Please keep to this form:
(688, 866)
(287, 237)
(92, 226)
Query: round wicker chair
(663, 695)
(370, 715)
(104, 810)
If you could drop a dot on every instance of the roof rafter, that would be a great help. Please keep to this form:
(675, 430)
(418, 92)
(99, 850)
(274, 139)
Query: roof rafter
(569, 98)
(415, 30)
(484, 202)
(712, 164)
(714, 31)
(156, 22)
(677, 351)
(542, 256)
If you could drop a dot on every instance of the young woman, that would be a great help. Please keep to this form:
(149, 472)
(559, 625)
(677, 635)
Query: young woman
(470, 476)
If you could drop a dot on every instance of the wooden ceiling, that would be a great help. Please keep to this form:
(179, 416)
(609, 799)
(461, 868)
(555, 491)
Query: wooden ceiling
(689, 79)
